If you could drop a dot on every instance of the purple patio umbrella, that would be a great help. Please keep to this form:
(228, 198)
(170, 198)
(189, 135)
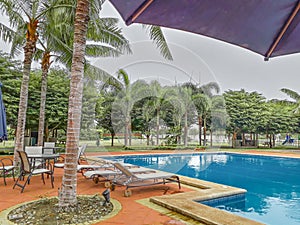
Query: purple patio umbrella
(3, 129)
(269, 27)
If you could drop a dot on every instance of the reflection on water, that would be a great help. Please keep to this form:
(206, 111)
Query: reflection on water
(272, 183)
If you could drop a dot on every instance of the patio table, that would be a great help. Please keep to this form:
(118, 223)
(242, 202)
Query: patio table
(43, 157)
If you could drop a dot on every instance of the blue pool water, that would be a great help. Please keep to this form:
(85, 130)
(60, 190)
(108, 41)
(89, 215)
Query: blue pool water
(272, 183)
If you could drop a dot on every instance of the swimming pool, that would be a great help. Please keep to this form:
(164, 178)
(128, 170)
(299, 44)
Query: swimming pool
(272, 183)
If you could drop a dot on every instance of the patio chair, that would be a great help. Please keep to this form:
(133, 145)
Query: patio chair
(35, 150)
(49, 147)
(130, 179)
(6, 166)
(27, 169)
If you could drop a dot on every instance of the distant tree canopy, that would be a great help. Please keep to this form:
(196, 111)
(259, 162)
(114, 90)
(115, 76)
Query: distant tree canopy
(162, 109)
(57, 95)
(11, 78)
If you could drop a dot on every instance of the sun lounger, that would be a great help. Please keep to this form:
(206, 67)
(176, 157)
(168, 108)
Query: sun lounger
(130, 179)
(107, 174)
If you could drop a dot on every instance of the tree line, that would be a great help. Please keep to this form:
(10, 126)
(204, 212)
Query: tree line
(163, 114)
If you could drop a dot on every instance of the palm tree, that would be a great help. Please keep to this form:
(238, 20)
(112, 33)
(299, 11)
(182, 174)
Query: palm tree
(127, 106)
(157, 101)
(201, 102)
(128, 95)
(67, 196)
(148, 114)
(178, 111)
(201, 97)
(107, 41)
(294, 95)
(185, 93)
(25, 17)
(68, 192)
(45, 68)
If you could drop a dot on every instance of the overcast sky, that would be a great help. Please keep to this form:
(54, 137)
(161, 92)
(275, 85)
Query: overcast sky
(201, 60)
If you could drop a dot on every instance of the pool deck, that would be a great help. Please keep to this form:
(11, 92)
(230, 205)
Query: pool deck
(152, 205)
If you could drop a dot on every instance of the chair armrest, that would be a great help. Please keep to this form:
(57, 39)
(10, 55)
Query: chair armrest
(4, 162)
(46, 165)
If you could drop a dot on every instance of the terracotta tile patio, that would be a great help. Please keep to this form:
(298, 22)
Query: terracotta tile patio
(132, 212)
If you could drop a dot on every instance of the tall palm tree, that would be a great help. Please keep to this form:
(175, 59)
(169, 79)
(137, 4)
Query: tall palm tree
(201, 96)
(129, 94)
(45, 68)
(148, 114)
(24, 16)
(68, 192)
(157, 101)
(185, 94)
(67, 196)
(201, 102)
(107, 42)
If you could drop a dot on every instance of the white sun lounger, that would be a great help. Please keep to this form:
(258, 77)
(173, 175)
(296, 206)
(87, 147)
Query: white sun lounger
(108, 174)
(130, 179)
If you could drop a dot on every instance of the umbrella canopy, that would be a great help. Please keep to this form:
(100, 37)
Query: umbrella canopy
(3, 129)
(269, 27)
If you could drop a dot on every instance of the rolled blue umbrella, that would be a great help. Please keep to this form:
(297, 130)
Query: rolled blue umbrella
(3, 128)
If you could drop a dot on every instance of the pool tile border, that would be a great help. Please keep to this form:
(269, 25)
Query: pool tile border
(185, 203)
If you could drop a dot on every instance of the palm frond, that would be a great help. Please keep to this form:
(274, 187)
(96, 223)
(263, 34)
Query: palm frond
(18, 40)
(158, 38)
(122, 75)
(294, 95)
(14, 11)
(6, 33)
(95, 8)
(95, 50)
(106, 30)
(209, 87)
(93, 73)
(38, 54)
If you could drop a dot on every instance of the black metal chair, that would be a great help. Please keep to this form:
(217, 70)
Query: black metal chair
(27, 169)
(6, 166)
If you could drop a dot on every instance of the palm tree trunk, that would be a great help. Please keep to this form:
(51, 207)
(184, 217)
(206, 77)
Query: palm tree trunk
(200, 129)
(157, 128)
(234, 139)
(29, 50)
(204, 133)
(243, 137)
(112, 139)
(45, 69)
(129, 132)
(68, 192)
(185, 130)
(148, 139)
(126, 134)
(46, 130)
(211, 138)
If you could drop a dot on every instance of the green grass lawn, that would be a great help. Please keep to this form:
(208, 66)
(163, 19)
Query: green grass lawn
(7, 147)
